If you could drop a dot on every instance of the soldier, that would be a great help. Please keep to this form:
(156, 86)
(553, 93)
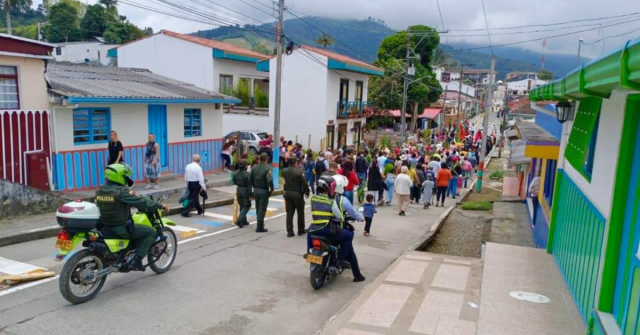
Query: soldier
(240, 178)
(261, 180)
(295, 187)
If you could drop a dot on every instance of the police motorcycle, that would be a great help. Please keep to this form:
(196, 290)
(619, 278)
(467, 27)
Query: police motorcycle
(86, 271)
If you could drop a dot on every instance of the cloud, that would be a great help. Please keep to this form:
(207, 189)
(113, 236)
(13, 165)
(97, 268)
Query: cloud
(456, 14)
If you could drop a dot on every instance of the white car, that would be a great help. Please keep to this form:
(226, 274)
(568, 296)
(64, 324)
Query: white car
(250, 139)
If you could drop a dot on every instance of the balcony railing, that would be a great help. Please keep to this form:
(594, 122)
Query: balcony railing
(351, 109)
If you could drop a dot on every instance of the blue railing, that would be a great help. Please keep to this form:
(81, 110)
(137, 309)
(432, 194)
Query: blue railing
(351, 109)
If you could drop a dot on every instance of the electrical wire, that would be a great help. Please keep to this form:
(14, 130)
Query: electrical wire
(484, 11)
(250, 5)
(442, 21)
(264, 4)
(606, 37)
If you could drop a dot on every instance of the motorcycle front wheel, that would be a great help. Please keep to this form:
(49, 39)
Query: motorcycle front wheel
(159, 261)
(78, 283)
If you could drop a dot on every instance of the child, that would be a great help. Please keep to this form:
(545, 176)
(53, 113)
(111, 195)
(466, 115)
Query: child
(369, 210)
(427, 191)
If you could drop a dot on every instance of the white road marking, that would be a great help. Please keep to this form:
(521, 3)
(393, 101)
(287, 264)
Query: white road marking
(219, 216)
(186, 229)
(12, 267)
(40, 229)
(28, 285)
(276, 199)
(268, 208)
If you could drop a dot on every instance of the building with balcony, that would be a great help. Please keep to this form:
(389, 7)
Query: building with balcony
(324, 95)
(209, 64)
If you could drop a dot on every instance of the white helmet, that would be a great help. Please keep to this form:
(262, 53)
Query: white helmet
(341, 183)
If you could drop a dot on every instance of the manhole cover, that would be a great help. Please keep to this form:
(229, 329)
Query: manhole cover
(528, 296)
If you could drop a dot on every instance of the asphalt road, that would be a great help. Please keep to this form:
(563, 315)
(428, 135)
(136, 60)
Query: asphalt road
(224, 281)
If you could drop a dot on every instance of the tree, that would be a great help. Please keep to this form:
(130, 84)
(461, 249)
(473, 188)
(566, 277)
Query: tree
(94, 22)
(325, 40)
(424, 40)
(545, 75)
(8, 5)
(63, 23)
(109, 3)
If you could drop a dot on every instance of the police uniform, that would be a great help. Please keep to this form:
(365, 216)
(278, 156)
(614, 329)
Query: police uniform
(115, 202)
(295, 186)
(244, 193)
(261, 180)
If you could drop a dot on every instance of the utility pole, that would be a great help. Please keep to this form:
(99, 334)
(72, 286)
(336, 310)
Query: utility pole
(485, 130)
(444, 109)
(276, 117)
(580, 41)
(406, 86)
(460, 86)
(7, 11)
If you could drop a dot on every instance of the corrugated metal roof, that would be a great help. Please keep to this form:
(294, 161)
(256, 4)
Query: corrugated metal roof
(79, 80)
(517, 153)
(534, 134)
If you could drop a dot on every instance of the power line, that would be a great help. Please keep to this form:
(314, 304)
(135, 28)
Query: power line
(264, 4)
(487, 24)
(606, 37)
(442, 21)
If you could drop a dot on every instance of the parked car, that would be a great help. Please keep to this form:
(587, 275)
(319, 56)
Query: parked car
(250, 139)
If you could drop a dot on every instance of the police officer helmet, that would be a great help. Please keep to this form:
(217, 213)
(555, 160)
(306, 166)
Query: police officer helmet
(326, 184)
(119, 174)
(340, 183)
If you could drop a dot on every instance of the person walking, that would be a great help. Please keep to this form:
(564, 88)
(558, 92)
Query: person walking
(456, 172)
(322, 165)
(152, 163)
(466, 171)
(309, 171)
(240, 178)
(369, 211)
(442, 183)
(374, 181)
(347, 171)
(226, 153)
(361, 167)
(403, 190)
(390, 178)
(261, 181)
(427, 191)
(195, 184)
(295, 188)
(115, 149)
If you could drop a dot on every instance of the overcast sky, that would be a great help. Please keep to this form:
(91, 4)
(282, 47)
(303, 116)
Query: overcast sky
(457, 15)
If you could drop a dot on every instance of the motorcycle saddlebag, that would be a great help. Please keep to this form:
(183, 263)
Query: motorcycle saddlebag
(80, 215)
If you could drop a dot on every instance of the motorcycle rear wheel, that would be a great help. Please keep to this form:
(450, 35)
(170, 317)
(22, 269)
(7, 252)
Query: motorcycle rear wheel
(165, 261)
(317, 277)
(71, 283)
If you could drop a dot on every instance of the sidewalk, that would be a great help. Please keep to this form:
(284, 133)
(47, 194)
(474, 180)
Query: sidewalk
(27, 228)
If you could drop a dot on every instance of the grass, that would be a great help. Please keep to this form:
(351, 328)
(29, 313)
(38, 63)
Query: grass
(477, 206)
(496, 174)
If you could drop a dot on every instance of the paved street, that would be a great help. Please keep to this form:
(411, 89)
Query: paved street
(224, 281)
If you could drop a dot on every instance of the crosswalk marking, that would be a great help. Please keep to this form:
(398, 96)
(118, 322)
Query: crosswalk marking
(276, 199)
(219, 216)
(12, 267)
(268, 208)
(186, 229)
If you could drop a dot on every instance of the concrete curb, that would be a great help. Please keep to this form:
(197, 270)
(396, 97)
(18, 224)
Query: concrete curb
(51, 231)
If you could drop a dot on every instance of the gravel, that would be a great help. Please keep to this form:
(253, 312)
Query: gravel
(462, 234)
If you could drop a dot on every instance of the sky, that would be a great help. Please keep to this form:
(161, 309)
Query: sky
(457, 15)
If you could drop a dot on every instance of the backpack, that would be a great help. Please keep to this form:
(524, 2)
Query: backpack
(320, 167)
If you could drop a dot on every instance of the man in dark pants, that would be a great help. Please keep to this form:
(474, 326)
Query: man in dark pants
(195, 183)
(295, 186)
(115, 201)
(261, 180)
(240, 178)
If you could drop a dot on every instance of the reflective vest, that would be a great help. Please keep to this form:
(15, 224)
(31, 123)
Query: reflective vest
(320, 212)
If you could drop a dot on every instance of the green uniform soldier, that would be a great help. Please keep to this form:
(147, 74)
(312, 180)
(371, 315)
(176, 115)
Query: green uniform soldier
(115, 200)
(240, 178)
(295, 187)
(261, 180)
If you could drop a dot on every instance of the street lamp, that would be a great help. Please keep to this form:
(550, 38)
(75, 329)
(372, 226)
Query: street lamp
(564, 111)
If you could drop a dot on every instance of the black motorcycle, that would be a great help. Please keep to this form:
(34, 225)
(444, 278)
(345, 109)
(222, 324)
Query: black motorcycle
(323, 259)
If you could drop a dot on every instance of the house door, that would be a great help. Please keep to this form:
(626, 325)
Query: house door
(342, 135)
(626, 307)
(157, 118)
(330, 136)
(357, 135)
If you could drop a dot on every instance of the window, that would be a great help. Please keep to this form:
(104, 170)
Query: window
(245, 136)
(226, 84)
(192, 122)
(9, 97)
(58, 51)
(344, 89)
(91, 125)
(582, 140)
(359, 91)
(550, 180)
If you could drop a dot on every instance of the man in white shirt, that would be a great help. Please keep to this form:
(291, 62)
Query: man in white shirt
(382, 159)
(195, 184)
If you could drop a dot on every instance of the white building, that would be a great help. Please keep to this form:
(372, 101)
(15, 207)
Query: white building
(92, 51)
(324, 95)
(213, 65)
(522, 87)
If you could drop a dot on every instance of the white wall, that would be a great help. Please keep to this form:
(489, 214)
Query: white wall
(237, 69)
(131, 123)
(304, 98)
(600, 189)
(78, 52)
(171, 57)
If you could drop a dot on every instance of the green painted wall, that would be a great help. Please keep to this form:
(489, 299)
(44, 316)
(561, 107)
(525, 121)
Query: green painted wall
(577, 242)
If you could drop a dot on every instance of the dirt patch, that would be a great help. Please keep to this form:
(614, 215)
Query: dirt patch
(462, 234)
(489, 193)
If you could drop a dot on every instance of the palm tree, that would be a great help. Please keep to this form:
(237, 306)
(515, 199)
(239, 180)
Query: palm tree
(325, 40)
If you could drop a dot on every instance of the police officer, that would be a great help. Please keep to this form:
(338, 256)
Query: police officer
(261, 180)
(295, 187)
(115, 200)
(327, 210)
(240, 178)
